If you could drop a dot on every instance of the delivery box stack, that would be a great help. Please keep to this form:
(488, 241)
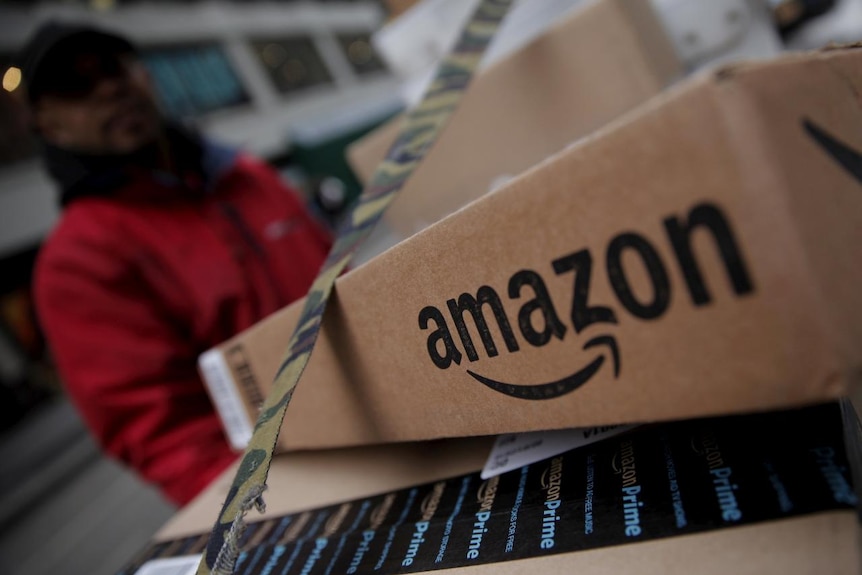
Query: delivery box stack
(691, 267)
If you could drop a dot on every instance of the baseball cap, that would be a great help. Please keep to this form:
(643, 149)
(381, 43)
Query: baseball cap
(48, 60)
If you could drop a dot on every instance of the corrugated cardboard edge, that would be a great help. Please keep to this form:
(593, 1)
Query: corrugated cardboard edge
(841, 46)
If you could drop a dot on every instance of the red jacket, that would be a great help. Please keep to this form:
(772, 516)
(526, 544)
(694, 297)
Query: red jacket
(133, 285)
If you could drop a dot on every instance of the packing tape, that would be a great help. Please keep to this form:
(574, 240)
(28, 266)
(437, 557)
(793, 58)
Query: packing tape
(421, 128)
(655, 482)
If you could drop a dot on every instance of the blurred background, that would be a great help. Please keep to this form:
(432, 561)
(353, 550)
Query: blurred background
(294, 82)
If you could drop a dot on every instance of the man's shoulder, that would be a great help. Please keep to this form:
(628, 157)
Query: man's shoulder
(90, 220)
(85, 232)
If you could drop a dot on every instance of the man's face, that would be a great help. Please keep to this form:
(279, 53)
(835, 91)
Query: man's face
(104, 106)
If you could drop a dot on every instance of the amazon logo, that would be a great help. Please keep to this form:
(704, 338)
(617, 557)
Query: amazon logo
(844, 155)
(451, 328)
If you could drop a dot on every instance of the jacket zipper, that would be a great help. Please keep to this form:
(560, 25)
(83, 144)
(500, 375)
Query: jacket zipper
(233, 216)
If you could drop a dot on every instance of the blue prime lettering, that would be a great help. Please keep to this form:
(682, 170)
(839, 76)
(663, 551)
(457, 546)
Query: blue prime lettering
(277, 552)
(631, 490)
(549, 519)
(411, 496)
(550, 516)
(241, 559)
(834, 475)
(631, 510)
(293, 555)
(415, 543)
(724, 492)
(363, 509)
(367, 538)
(721, 478)
(319, 546)
(477, 534)
(487, 494)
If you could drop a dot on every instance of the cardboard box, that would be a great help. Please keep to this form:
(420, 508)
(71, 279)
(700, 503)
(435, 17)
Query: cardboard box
(769, 493)
(698, 257)
(605, 59)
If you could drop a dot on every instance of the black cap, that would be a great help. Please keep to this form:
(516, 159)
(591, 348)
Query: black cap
(48, 54)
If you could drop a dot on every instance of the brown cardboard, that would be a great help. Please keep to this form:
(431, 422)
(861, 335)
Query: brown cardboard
(730, 145)
(601, 61)
(309, 479)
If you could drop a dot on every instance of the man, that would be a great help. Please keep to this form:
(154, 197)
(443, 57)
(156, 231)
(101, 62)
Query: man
(167, 246)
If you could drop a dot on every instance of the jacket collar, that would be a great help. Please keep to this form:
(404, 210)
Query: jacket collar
(200, 162)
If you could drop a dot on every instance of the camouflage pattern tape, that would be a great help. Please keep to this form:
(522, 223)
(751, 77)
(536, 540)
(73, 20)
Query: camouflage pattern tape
(420, 130)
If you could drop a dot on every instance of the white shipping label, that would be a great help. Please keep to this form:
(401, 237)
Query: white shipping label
(186, 565)
(515, 450)
(231, 410)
